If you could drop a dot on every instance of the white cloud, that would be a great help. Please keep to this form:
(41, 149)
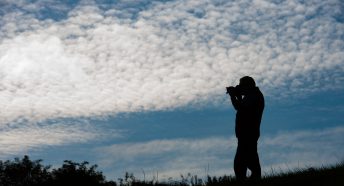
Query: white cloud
(172, 54)
(170, 158)
(18, 138)
(298, 149)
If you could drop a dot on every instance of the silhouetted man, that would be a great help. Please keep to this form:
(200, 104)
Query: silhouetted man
(248, 101)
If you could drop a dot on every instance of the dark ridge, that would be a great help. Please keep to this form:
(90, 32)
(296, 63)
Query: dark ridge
(26, 172)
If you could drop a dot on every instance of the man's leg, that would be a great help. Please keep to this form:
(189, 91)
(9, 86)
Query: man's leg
(240, 167)
(253, 161)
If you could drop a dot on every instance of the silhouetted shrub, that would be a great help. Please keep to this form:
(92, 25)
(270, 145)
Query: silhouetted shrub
(22, 172)
(25, 172)
(72, 173)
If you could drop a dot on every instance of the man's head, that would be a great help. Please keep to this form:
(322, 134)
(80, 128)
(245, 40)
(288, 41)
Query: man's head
(246, 84)
(247, 81)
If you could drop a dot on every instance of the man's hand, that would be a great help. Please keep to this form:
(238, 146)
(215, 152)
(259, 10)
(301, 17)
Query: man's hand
(231, 91)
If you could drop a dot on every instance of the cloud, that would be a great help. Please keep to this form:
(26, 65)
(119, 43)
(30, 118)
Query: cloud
(173, 157)
(20, 138)
(298, 149)
(170, 158)
(99, 59)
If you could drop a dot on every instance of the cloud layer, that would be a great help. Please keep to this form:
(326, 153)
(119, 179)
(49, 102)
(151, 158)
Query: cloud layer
(170, 158)
(214, 156)
(102, 59)
(22, 138)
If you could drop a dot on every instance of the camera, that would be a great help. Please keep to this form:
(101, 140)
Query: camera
(234, 91)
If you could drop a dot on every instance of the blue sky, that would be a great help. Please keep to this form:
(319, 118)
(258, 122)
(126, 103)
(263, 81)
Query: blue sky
(140, 85)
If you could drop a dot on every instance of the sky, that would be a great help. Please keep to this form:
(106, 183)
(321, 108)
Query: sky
(139, 86)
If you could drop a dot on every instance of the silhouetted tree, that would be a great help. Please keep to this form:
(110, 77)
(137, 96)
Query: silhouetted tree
(72, 173)
(23, 172)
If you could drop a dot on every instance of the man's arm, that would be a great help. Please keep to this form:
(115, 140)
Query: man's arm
(236, 101)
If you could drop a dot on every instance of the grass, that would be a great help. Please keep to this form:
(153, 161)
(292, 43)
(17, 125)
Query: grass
(324, 176)
(25, 172)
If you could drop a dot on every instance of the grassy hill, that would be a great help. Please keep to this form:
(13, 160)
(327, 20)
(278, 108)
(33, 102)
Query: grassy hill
(25, 172)
(325, 176)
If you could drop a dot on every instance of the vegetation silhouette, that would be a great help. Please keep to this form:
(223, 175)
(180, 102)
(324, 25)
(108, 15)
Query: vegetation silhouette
(26, 172)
